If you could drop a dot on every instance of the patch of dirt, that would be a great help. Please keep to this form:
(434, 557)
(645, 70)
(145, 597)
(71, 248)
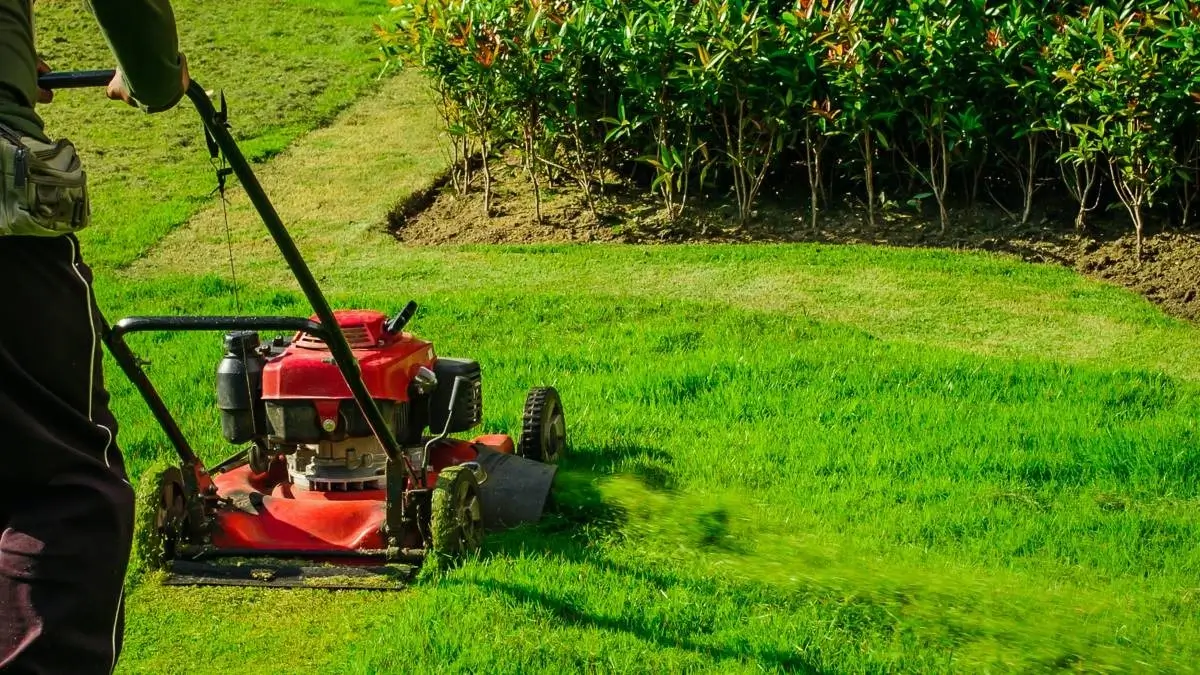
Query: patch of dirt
(442, 216)
(1168, 273)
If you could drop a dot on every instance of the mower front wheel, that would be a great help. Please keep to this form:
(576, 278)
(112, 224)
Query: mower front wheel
(456, 518)
(543, 426)
(161, 513)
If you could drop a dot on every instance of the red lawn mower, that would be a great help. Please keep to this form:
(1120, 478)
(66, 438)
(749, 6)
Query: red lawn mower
(347, 469)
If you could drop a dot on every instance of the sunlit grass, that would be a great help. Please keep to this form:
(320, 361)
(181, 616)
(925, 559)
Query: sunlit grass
(804, 491)
(801, 458)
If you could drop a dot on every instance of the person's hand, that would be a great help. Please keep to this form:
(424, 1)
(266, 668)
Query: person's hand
(186, 79)
(183, 67)
(119, 91)
(43, 95)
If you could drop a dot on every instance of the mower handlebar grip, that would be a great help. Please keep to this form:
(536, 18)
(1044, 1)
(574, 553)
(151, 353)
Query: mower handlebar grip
(78, 79)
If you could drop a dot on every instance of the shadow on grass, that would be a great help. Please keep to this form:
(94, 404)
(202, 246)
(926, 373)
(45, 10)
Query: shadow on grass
(580, 519)
(570, 614)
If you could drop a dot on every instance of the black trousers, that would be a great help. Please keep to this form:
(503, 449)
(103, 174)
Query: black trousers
(66, 506)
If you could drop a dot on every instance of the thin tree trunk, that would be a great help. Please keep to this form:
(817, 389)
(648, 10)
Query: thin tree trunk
(583, 170)
(487, 180)
(1131, 196)
(938, 164)
(1079, 178)
(537, 198)
(739, 171)
(455, 166)
(467, 173)
(938, 171)
(869, 176)
(732, 149)
(768, 155)
(1187, 193)
(1087, 176)
(532, 169)
(1030, 175)
(1025, 168)
(1186, 199)
(686, 169)
(810, 152)
(1138, 227)
(945, 218)
(818, 152)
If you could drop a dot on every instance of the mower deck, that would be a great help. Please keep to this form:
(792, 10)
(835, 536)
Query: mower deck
(269, 532)
(266, 512)
(267, 573)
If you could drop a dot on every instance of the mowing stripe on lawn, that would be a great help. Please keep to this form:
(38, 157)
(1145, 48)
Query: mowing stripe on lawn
(333, 189)
(286, 67)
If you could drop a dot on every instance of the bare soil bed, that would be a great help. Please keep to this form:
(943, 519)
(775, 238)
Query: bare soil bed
(1168, 273)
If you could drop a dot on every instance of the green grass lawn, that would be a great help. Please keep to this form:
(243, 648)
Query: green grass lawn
(801, 458)
(762, 488)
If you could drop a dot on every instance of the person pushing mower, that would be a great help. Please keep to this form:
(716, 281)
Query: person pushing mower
(66, 506)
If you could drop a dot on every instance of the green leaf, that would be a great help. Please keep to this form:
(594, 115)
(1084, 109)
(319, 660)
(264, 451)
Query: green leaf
(651, 160)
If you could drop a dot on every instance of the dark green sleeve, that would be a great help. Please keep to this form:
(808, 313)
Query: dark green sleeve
(143, 37)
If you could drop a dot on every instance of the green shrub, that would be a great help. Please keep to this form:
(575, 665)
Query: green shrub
(944, 100)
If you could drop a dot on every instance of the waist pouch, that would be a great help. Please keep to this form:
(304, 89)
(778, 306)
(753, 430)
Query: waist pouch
(43, 187)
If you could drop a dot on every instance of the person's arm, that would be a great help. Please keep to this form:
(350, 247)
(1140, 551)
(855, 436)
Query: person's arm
(145, 42)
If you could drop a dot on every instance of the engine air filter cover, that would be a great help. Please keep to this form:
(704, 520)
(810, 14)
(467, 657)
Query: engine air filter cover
(468, 408)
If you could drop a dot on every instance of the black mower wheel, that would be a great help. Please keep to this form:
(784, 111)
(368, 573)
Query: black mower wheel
(161, 508)
(543, 426)
(456, 518)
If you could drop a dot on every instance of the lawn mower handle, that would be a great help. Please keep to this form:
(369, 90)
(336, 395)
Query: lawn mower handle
(76, 79)
(215, 124)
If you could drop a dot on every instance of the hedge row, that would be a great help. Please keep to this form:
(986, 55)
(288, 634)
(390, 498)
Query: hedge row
(947, 100)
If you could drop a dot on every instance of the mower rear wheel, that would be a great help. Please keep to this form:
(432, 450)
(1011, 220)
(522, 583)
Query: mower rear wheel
(456, 517)
(161, 515)
(543, 427)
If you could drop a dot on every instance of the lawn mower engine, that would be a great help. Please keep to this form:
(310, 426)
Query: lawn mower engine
(290, 399)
